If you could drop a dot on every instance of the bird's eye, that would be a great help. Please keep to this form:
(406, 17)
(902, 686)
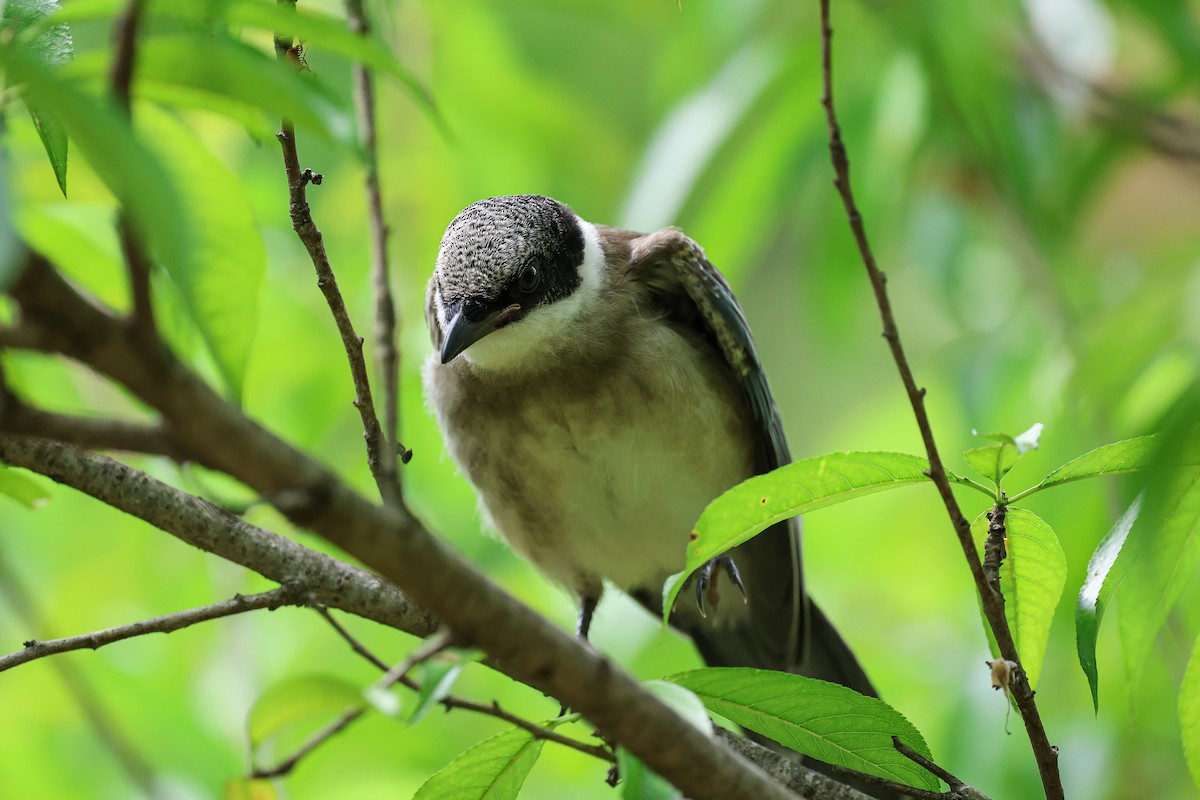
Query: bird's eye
(528, 280)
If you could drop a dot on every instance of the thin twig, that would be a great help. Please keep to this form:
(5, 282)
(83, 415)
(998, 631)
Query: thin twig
(958, 789)
(429, 648)
(125, 31)
(789, 771)
(451, 702)
(88, 432)
(538, 731)
(1045, 754)
(238, 604)
(302, 222)
(387, 356)
(311, 744)
(350, 639)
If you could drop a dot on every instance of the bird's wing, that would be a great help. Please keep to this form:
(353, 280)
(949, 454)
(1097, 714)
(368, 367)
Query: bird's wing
(784, 629)
(680, 281)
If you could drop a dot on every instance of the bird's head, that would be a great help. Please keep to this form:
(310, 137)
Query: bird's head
(513, 273)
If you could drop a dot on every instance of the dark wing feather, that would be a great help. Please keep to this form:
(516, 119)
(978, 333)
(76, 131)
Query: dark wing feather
(784, 629)
(683, 283)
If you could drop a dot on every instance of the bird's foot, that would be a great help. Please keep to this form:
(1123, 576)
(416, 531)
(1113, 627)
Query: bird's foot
(706, 582)
(587, 608)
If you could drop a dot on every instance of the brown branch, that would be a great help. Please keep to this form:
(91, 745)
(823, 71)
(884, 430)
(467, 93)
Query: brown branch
(387, 357)
(312, 743)
(994, 550)
(382, 464)
(399, 674)
(137, 263)
(1171, 136)
(125, 31)
(1045, 754)
(788, 771)
(958, 789)
(389, 540)
(21, 337)
(238, 604)
(351, 640)
(429, 648)
(492, 710)
(214, 530)
(88, 432)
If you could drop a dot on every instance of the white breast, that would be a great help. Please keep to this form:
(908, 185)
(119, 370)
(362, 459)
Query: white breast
(602, 473)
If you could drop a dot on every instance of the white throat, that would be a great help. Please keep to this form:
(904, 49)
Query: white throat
(539, 333)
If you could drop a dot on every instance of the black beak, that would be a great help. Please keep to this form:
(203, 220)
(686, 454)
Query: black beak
(461, 332)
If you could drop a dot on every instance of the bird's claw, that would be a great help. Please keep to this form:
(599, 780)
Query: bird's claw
(706, 582)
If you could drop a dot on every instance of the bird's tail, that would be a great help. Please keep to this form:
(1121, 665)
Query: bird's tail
(829, 658)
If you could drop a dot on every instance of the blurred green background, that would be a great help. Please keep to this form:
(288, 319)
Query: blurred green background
(1028, 174)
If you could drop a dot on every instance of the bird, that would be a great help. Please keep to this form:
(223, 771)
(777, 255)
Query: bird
(598, 387)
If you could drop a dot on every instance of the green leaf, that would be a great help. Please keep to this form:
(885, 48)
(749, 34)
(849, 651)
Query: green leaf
(1098, 588)
(81, 240)
(1189, 713)
(53, 46)
(243, 788)
(797, 488)
(992, 461)
(639, 782)
(823, 720)
(1031, 578)
(298, 700)
(106, 139)
(494, 769)
(22, 489)
(230, 69)
(438, 675)
(328, 32)
(220, 280)
(1163, 554)
(1111, 459)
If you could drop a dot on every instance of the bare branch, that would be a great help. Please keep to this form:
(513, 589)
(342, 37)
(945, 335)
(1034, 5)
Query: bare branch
(350, 639)
(312, 743)
(390, 540)
(1045, 754)
(429, 648)
(238, 604)
(21, 337)
(88, 432)
(381, 463)
(958, 789)
(215, 530)
(125, 32)
(788, 771)
(387, 357)
(492, 710)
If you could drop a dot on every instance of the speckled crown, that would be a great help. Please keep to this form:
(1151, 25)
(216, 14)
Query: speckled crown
(494, 239)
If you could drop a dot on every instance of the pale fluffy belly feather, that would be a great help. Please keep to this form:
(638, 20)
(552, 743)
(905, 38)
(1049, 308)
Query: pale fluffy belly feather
(604, 476)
